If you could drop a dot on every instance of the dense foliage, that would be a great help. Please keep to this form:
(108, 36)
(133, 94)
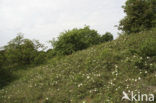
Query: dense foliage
(21, 51)
(148, 48)
(78, 39)
(106, 37)
(140, 15)
(98, 74)
(1, 59)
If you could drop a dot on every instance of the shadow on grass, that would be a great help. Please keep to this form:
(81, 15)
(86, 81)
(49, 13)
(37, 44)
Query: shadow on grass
(6, 77)
(9, 74)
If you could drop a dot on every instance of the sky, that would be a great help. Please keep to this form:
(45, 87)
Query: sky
(46, 19)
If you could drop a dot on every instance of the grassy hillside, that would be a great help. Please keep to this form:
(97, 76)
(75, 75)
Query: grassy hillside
(96, 75)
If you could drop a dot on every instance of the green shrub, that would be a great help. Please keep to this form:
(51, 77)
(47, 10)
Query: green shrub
(22, 51)
(50, 53)
(75, 39)
(106, 37)
(148, 48)
(1, 60)
(40, 58)
(78, 39)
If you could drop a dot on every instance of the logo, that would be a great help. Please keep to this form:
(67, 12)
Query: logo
(137, 97)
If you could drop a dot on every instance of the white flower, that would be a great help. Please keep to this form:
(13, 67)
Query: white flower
(98, 75)
(139, 78)
(47, 98)
(116, 66)
(116, 74)
(80, 85)
(84, 102)
(141, 58)
(88, 77)
(95, 89)
(148, 57)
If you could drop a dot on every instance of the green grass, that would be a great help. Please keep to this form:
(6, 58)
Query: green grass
(98, 74)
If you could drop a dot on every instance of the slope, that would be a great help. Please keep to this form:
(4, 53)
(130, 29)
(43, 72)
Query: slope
(96, 75)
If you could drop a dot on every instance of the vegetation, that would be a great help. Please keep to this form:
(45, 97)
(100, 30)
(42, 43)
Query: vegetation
(98, 74)
(106, 37)
(19, 52)
(140, 15)
(22, 51)
(71, 74)
(78, 39)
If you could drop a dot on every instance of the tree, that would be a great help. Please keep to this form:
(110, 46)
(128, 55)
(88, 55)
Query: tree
(75, 39)
(23, 51)
(140, 15)
(106, 37)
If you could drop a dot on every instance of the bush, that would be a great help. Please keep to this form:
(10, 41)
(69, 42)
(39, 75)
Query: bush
(5, 75)
(148, 48)
(75, 39)
(20, 51)
(1, 60)
(50, 53)
(106, 37)
(40, 58)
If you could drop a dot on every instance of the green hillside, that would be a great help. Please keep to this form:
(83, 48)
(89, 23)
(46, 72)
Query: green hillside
(98, 74)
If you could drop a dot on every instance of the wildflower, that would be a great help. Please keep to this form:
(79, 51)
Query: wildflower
(98, 75)
(95, 89)
(139, 78)
(146, 72)
(90, 91)
(116, 89)
(80, 85)
(84, 102)
(116, 66)
(116, 74)
(141, 58)
(47, 98)
(88, 77)
(148, 57)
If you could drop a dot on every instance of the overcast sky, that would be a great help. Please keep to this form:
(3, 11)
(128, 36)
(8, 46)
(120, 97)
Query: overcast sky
(45, 19)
